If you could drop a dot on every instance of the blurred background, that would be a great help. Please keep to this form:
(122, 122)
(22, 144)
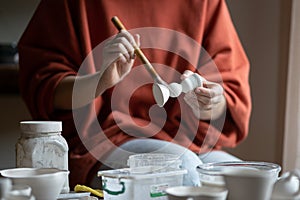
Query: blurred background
(263, 27)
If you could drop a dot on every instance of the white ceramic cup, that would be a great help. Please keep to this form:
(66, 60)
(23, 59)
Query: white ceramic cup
(196, 193)
(248, 184)
(161, 94)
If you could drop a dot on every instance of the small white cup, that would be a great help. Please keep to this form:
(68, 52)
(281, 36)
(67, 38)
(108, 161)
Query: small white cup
(161, 94)
(196, 193)
(248, 184)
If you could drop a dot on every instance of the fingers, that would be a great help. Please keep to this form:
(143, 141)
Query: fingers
(207, 97)
(122, 46)
(131, 42)
(201, 103)
(210, 89)
(123, 70)
(119, 52)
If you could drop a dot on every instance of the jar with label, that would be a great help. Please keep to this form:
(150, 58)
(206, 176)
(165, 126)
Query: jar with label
(41, 145)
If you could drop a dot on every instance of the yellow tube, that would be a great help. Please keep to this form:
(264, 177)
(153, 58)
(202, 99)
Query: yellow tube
(83, 188)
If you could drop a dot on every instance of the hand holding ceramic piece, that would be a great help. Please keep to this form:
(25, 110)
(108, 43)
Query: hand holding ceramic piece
(162, 92)
(192, 82)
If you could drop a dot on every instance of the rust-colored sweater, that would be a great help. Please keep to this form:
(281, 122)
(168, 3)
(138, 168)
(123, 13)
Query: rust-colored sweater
(61, 35)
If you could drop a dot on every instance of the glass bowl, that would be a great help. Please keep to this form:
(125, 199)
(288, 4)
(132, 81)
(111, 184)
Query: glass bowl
(212, 173)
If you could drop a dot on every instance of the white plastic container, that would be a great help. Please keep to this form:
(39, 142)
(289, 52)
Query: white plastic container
(139, 183)
(41, 145)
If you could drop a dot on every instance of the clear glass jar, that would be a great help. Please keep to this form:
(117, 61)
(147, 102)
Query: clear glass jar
(41, 145)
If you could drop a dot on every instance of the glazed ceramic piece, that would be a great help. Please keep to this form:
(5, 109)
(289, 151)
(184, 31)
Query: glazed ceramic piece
(175, 89)
(192, 82)
(287, 186)
(212, 173)
(20, 197)
(196, 193)
(248, 184)
(163, 92)
(46, 183)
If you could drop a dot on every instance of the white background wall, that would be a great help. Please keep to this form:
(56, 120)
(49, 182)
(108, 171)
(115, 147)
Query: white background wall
(263, 31)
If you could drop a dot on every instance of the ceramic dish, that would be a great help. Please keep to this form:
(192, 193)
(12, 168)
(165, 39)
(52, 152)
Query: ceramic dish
(196, 193)
(46, 183)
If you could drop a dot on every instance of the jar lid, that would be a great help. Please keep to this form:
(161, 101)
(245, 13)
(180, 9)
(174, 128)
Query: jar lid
(41, 126)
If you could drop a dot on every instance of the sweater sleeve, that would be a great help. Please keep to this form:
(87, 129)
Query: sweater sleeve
(48, 51)
(224, 47)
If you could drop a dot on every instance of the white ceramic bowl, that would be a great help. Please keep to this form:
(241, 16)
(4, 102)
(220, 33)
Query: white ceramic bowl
(46, 183)
(196, 193)
(212, 173)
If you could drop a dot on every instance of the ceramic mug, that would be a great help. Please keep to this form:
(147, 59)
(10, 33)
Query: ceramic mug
(248, 184)
(196, 193)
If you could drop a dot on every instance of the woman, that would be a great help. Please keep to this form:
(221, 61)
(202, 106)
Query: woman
(76, 67)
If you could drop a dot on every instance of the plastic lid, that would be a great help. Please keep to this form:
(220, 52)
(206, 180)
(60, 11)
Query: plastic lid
(154, 159)
(41, 126)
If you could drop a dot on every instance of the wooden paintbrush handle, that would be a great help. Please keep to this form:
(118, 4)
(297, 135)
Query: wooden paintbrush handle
(118, 24)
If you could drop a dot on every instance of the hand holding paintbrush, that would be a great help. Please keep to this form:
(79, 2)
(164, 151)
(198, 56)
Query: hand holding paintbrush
(119, 25)
(160, 86)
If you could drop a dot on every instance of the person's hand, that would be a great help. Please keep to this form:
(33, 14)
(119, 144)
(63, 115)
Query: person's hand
(207, 101)
(118, 57)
